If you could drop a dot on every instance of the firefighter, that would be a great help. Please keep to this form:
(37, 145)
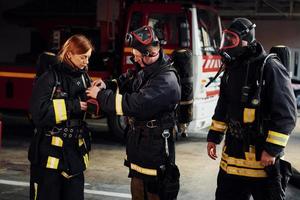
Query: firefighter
(148, 95)
(59, 149)
(257, 111)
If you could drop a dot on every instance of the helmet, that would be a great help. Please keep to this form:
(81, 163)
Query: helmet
(239, 29)
(141, 39)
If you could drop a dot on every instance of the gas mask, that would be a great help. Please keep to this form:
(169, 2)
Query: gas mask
(141, 39)
(231, 44)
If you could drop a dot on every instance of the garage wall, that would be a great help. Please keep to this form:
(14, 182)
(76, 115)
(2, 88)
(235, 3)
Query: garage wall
(285, 32)
(13, 39)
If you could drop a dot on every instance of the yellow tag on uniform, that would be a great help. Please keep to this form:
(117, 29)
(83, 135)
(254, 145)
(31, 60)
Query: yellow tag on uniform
(249, 115)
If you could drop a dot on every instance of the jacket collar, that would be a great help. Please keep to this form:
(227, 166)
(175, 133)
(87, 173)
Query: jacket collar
(161, 62)
(64, 67)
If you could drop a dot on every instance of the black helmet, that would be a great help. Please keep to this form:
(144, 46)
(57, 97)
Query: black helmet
(239, 29)
(244, 28)
(141, 39)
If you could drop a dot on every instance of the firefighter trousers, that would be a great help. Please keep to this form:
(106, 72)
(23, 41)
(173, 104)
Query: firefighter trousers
(49, 184)
(231, 187)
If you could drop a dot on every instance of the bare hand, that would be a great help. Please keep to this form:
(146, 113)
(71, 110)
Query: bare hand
(266, 159)
(211, 150)
(83, 105)
(99, 83)
(92, 91)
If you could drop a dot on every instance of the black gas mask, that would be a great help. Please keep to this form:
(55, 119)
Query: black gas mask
(141, 39)
(231, 44)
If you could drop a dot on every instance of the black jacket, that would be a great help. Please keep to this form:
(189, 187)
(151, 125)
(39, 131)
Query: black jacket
(62, 141)
(145, 94)
(250, 129)
(41, 107)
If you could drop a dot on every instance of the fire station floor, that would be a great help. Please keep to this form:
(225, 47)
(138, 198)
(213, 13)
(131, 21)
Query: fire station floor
(106, 177)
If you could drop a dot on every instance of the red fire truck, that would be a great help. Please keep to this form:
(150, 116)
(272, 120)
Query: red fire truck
(188, 25)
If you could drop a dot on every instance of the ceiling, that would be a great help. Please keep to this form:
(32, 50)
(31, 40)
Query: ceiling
(258, 9)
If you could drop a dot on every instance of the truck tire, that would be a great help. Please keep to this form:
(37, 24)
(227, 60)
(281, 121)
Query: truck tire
(118, 126)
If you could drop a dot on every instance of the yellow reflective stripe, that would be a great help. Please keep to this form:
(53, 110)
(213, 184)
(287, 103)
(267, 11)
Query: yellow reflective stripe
(243, 163)
(52, 162)
(86, 160)
(35, 190)
(258, 173)
(249, 162)
(249, 115)
(80, 142)
(250, 156)
(277, 138)
(147, 171)
(218, 126)
(57, 141)
(241, 167)
(118, 100)
(60, 110)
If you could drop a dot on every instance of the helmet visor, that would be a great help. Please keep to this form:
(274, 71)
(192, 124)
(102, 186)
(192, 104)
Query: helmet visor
(144, 35)
(229, 40)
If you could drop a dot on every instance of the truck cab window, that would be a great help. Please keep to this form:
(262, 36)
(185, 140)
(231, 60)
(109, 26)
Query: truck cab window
(209, 29)
(167, 24)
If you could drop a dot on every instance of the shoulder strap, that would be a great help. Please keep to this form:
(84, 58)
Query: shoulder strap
(166, 68)
(256, 100)
(57, 80)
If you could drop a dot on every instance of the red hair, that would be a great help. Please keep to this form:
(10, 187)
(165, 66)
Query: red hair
(76, 44)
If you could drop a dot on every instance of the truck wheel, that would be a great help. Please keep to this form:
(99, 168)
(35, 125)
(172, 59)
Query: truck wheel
(118, 126)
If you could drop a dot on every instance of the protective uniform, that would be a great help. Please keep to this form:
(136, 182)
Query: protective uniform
(254, 114)
(59, 150)
(148, 97)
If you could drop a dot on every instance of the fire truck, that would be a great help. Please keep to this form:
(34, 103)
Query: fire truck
(189, 25)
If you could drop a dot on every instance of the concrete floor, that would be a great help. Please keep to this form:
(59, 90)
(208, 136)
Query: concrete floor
(106, 177)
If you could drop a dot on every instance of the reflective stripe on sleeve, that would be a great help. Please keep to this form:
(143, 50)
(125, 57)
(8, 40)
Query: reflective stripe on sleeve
(56, 141)
(218, 126)
(118, 100)
(277, 138)
(147, 171)
(35, 191)
(60, 110)
(86, 160)
(52, 162)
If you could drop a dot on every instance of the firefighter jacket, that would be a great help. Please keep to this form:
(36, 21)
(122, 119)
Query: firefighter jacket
(250, 128)
(148, 97)
(62, 140)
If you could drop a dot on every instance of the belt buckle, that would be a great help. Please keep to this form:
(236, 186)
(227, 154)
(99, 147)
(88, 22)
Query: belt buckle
(150, 124)
(55, 130)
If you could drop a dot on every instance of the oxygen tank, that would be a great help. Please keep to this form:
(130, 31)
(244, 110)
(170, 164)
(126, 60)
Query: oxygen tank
(284, 54)
(183, 64)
